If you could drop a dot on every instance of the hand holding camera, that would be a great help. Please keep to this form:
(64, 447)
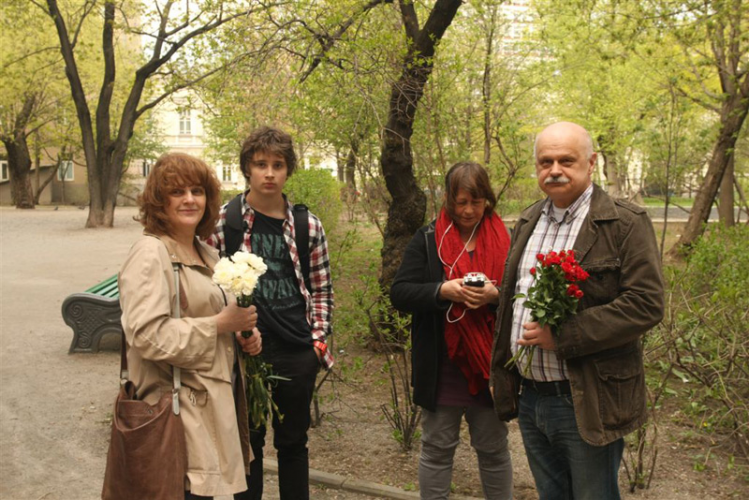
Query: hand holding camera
(471, 290)
(474, 280)
(478, 290)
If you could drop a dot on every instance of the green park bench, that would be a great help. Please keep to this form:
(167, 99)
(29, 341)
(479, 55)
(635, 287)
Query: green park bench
(93, 314)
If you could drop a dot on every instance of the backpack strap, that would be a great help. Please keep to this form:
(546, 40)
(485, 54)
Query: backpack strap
(234, 227)
(301, 236)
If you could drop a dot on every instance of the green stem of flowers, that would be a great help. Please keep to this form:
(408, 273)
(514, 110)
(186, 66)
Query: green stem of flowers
(259, 379)
(523, 350)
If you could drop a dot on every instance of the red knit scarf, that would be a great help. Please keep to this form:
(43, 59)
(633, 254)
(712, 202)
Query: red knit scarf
(469, 341)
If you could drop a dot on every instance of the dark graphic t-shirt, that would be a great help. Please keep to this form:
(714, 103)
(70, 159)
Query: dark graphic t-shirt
(280, 304)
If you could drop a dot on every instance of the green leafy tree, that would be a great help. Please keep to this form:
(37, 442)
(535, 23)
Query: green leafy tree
(714, 36)
(180, 51)
(31, 98)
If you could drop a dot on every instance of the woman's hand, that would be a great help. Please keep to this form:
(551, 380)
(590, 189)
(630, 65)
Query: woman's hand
(233, 318)
(472, 296)
(477, 296)
(252, 345)
(453, 291)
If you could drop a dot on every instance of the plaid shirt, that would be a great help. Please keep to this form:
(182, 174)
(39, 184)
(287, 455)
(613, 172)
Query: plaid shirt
(549, 234)
(319, 300)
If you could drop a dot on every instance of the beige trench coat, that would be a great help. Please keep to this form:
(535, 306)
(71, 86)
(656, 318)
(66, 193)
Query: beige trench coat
(217, 446)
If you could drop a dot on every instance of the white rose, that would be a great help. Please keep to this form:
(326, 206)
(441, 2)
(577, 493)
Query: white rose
(249, 282)
(239, 269)
(242, 257)
(222, 272)
(257, 263)
(222, 277)
(236, 286)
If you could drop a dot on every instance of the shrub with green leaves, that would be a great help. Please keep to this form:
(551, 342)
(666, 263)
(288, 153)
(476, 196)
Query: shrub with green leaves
(705, 336)
(228, 194)
(317, 189)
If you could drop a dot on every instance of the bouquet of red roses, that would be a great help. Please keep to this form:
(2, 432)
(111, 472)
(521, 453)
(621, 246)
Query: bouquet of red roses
(554, 295)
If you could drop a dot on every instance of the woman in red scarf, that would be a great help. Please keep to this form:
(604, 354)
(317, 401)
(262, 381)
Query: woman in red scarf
(452, 331)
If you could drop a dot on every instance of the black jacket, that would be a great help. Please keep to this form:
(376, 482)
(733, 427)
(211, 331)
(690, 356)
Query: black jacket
(414, 290)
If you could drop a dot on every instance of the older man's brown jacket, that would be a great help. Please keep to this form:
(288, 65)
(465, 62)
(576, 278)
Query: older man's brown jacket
(602, 343)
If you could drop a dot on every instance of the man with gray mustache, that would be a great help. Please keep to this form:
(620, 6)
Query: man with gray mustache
(584, 388)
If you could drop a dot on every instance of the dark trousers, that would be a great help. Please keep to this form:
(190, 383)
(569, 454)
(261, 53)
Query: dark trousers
(293, 398)
(563, 465)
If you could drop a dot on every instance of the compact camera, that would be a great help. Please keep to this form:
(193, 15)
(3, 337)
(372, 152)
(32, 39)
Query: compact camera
(474, 279)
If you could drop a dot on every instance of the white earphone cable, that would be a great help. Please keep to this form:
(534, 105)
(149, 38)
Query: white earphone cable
(451, 267)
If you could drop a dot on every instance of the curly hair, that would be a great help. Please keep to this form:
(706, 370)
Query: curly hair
(175, 170)
(267, 140)
(473, 178)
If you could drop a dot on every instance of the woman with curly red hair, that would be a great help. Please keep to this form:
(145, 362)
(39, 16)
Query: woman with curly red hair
(179, 204)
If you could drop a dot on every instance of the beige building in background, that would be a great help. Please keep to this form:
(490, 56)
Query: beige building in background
(68, 187)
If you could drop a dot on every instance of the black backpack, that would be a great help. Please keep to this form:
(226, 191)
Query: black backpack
(235, 227)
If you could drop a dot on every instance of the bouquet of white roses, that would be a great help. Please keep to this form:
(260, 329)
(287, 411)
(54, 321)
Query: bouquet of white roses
(239, 275)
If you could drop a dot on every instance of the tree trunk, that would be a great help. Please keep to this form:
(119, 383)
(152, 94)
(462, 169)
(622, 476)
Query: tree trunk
(725, 199)
(408, 205)
(486, 88)
(19, 158)
(614, 185)
(732, 115)
(340, 173)
(19, 166)
(42, 185)
(350, 176)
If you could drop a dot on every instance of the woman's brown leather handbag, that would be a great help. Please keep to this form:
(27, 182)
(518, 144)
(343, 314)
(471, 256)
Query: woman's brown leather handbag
(147, 456)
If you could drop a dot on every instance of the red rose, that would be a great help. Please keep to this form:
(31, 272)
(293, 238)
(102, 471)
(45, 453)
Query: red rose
(539, 256)
(579, 294)
(572, 290)
(533, 271)
(552, 259)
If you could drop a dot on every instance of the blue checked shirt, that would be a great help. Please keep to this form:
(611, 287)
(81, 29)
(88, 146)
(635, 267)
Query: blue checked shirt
(319, 299)
(549, 234)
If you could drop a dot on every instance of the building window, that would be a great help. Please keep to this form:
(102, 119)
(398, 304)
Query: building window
(226, 173)
(4, 175)
(65, 171)
(185, 125)
(146, 168)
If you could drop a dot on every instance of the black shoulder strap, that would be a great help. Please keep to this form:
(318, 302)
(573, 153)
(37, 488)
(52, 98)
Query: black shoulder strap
(301, 230)
(234, 227)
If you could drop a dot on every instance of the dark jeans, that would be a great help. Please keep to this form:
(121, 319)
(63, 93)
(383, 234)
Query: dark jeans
(293, 398)
(563, 465)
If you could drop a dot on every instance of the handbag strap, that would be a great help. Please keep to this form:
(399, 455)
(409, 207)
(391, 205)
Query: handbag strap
(176, 371)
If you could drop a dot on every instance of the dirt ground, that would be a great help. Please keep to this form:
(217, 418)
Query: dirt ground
(55, 408)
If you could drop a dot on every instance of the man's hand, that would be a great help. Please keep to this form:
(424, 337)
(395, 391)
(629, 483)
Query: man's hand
(253, 345)
(536, 335)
